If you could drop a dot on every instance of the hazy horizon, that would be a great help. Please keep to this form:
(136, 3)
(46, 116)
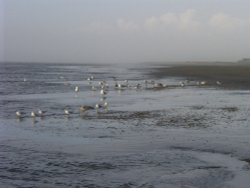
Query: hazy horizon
(138, 63)
(111, 31)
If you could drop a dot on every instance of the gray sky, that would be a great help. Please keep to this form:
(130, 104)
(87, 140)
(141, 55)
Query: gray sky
(124, 30)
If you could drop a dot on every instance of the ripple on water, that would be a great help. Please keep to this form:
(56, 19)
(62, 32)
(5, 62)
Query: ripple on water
(172, 168)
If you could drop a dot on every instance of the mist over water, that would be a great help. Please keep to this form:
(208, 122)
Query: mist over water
(191, 136)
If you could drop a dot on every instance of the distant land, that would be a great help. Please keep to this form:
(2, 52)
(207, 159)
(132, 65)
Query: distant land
(232, 75)
(245, 61)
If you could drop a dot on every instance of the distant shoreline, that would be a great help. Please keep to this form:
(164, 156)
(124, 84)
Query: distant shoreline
(244, 61)
(232, 76)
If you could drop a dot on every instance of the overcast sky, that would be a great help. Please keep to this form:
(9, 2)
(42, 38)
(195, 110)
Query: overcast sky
(124, 30)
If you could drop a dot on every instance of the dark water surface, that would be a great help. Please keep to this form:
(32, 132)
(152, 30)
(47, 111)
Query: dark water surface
(191, 136)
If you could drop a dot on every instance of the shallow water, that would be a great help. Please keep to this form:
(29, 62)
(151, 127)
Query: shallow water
(173, 137)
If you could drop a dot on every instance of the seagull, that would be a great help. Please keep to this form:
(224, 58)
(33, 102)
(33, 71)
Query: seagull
(101, 83)
(105, 105)
(138, 86)
(84, 108)
(33, 114)
(218, 82)
(90, 78)
(103, 92)
(18, 114)
(97, 107)
(76, 89)
(121, 86)
(203, 83)
(66, 112)
(40, 112)
(158, 85)
(182, 84)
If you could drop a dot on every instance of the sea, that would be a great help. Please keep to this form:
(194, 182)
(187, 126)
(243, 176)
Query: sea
(146, 132)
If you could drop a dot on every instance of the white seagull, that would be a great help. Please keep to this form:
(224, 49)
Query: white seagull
(76, 89)
(33, 114)
(66, 112)
(40, 112)
(103, 92)
(203, 83)
(105, 104)
(182, 84)
(18, 114)
(97, 107)
(218, 82)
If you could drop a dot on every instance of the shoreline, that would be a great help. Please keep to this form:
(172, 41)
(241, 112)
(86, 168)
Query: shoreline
(231, 76)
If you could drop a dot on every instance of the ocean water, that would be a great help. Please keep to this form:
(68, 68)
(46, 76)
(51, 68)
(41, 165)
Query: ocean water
(191, 136)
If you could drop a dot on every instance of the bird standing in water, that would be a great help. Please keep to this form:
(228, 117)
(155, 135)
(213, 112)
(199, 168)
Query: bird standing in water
(40, 112)
(33, 114)
(18, 114)
(67, 112)
(76, 89)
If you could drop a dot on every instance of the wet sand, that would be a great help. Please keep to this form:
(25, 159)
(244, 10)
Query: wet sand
(192, 136)
(232, 76)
